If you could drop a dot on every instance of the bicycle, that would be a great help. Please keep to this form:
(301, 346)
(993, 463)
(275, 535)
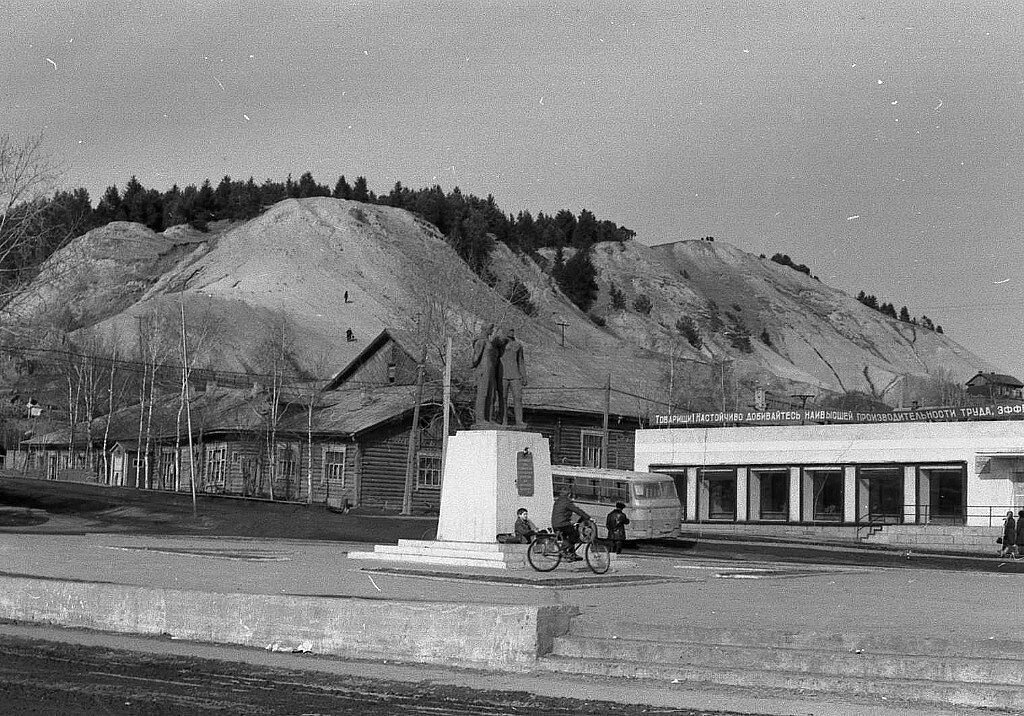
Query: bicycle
(547, 549)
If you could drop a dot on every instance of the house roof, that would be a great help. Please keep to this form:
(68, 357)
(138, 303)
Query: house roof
(997, 379)
(400, 338)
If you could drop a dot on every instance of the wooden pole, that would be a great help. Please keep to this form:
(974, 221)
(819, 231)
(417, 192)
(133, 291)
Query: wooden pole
(410, 459)
(447, 400)
(607, 409)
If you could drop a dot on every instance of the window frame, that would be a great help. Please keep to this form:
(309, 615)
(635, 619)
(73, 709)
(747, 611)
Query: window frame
(421, 470)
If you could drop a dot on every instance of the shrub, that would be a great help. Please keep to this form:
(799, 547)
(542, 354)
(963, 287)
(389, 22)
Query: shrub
(688, 328)
(642, 304)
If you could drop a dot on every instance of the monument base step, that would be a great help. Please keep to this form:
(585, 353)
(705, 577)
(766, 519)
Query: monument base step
(483, 555)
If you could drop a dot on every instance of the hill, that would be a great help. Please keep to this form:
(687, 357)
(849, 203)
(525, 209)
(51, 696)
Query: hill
(289, 284)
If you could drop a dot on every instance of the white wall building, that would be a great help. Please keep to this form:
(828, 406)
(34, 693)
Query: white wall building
(952, 473)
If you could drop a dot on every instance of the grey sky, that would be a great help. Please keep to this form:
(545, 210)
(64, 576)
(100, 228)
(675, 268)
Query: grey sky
(878, 144)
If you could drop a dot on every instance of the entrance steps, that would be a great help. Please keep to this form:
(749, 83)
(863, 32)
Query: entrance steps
(844, 667)
(482, 555)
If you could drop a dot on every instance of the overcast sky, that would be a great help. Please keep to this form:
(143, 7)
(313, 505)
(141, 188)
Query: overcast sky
(880, 145)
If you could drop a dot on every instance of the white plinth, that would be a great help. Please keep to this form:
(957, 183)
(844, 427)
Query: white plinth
(479, 491)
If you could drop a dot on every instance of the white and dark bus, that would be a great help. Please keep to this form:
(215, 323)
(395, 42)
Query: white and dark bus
(652, 504)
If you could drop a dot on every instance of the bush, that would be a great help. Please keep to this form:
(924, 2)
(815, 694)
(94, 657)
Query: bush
(642, 304)
(688, 328)
(519, 296)
(618, 300)
(597, 320)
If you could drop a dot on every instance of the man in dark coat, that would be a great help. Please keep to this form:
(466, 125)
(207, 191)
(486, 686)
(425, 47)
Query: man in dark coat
(616, 523)
(561, 520)
(1009, 535)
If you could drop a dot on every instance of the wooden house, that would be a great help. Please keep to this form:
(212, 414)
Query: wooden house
(995, 386)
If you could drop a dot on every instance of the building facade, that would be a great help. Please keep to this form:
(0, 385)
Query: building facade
(955, 473)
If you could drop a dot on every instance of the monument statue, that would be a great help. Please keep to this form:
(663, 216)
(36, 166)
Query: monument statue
(486, 361)
(513, 378)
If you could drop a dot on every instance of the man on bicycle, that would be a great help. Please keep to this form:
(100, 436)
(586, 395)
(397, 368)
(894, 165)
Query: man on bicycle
(561, 520)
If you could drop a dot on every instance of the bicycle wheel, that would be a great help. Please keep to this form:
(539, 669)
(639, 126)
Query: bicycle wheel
(544, 554)
(599, 559)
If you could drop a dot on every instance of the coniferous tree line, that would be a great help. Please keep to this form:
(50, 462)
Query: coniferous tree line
(889, 310)
(470, 224)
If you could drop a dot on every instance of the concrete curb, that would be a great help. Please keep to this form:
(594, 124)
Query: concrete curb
(481, 635)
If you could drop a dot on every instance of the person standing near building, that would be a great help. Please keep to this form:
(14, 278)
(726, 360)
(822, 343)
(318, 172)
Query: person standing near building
(1009, 535)
(1018, 546)
(616, 523)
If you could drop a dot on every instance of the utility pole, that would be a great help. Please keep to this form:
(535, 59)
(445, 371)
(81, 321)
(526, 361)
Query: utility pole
(447, 400)
(607, 409)
(563, 325)
(410, 459)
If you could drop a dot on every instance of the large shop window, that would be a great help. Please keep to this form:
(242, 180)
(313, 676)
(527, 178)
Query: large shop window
(721, 491)
(941, 500)
(883, 488)
(827, 487)
(772, 494)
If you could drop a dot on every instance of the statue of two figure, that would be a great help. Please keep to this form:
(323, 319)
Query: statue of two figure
(500, 375)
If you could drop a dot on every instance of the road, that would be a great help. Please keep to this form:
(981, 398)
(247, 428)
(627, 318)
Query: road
(72, 673)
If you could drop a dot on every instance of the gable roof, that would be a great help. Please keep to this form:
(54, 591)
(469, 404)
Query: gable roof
(399, 338)
(996, 379)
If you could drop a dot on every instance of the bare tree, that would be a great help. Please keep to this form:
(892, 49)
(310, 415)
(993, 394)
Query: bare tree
(26, 177)
(276, 365)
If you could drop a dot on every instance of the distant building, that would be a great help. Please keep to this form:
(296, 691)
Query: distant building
(996, 386)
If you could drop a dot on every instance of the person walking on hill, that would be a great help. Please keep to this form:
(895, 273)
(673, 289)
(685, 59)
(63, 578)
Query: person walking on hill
(616, 523)
(1009, 535)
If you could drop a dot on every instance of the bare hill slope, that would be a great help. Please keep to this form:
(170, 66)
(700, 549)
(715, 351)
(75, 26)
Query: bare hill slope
(282, 278)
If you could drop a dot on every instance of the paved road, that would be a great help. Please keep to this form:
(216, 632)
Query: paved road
(85, 674)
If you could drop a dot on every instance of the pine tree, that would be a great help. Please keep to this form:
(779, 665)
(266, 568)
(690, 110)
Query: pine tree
(360, 191)
(578, 280)
(342, 190)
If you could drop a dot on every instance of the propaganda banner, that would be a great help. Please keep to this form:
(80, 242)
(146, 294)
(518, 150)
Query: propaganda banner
(994, 411)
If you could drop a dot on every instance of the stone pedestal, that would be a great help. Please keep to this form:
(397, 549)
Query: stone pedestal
(486, 481)
(488, 475)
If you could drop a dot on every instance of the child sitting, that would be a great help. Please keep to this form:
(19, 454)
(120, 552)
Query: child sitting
(525, 529)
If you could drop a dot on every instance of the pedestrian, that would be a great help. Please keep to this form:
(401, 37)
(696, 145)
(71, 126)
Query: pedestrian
(1018, 546)
(616, 523)
(525, 529)
(349, 335)
(1009, 539)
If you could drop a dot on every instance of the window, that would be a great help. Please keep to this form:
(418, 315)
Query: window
(285, 462)
(721, 492)
(827, 495)
(428, 469)
(334, 466)
(591, 443)
(772, 490)
(215, 458)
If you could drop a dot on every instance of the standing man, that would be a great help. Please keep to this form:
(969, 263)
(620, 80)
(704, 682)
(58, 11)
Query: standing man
(485, 366)
(513, 377)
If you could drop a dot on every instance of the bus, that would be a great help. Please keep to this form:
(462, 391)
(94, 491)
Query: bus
(652, 505)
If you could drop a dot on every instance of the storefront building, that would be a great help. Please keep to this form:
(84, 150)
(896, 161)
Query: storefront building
(951, 473)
